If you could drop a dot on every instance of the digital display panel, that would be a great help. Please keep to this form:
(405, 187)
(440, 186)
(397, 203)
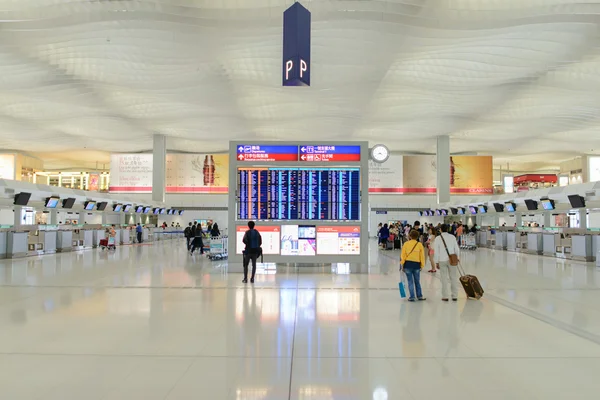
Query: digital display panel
(473, 209)
(298, 193)
(461, 211)
(342, 240)
(126, 208)
(270, 238)
(139, 209)
(147, 210)
(117, 207)
(482, 209)
(89, 206)
(510, 207)
(547, 204)
(52, 202)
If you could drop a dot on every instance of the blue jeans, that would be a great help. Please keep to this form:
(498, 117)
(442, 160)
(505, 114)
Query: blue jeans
(413, 274)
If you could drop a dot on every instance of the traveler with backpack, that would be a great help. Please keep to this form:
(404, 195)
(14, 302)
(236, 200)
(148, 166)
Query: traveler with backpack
(253, 242)
(188, 235)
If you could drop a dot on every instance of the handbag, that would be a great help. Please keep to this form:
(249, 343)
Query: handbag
(452, 258)
(402, 284)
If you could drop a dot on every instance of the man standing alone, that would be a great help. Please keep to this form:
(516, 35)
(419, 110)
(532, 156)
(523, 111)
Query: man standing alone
(138, 231)
(253, 242)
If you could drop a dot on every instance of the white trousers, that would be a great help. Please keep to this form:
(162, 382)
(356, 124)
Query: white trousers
(449, 277)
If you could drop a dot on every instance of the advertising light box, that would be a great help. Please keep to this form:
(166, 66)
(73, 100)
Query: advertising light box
(270, 238)
(334, 240)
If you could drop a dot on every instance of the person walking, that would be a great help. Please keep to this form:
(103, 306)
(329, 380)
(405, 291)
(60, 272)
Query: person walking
(429, 245)
(384, 234)
(459, 233)
(444, 245)
(197, 242)
(187, 232)
(253, 242)
(215, 232)
(412, 259)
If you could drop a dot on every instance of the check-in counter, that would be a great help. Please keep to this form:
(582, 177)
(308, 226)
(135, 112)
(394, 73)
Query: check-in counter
(511, 240)
(125, 236)
(17, 244)
(3, 240)
(83, 237)
(535, 243)
(48, 235)
(99, 234)
(550, 239)
(522, 242)
(564, 247)
(500, 243)
(581, 249)
(64, 240)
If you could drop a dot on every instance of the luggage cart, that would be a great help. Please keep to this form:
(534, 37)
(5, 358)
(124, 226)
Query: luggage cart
(108, 243)
(218, 248)
(469, 242)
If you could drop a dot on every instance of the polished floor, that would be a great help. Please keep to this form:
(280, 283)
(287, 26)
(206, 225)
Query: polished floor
(150, 322)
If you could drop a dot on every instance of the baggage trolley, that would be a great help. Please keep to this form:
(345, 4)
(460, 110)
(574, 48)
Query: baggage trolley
(108, 243)
(218, 248)
(469, 242)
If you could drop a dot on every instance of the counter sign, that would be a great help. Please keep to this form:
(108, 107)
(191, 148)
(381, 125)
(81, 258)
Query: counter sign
(266, 153)
(328, 153)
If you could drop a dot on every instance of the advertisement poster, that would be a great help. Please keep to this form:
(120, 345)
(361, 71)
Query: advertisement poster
(270, 239)
(94, 182)
(289, 240)
(131, 173)
(197, 173)
(334, 240)
(7, 166)
(386, 177)
(307, 240)
(468, 175)
(594, 169)
(471, 175)
(185, 173)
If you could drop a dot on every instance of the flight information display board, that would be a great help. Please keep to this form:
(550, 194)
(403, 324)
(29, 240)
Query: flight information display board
(298, 193)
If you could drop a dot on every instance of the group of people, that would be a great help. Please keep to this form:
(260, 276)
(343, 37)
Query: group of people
(194, 235)
(438, 244)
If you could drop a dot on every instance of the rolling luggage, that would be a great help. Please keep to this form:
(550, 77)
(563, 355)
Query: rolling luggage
(397, 243)
(471, 284)
(389, 245)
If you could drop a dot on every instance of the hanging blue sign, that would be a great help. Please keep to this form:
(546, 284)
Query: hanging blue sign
(296, 46)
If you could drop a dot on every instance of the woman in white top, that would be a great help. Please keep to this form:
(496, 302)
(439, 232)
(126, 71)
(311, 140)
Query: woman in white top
(442, 262)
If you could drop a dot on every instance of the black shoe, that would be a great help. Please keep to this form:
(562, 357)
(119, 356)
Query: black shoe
(251, 280)
(454, 299)
(422, 298)
(245, 280)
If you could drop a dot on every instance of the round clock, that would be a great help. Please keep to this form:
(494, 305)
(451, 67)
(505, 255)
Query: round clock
(380, 153)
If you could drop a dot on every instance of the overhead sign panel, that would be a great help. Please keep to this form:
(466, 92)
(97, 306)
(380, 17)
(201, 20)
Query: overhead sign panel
(296, 46)
(268, 153)
(328, 153)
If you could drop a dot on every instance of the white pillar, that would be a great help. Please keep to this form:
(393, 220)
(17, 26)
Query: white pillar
(519, 219)
(159, 168)
(82, 216)
(53, 217)
(18, 221)
(104, 218)
(547, 219)
(443, 169)
(583, 218)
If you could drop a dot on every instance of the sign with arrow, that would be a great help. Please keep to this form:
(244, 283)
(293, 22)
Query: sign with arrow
(269, 153)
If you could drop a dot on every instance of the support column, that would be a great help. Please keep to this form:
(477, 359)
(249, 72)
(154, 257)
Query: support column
(497, 220)
(159, 168)
(547, 219)
(18, 221)
(519, 219)
(583, 219)
(82, 216)
(104, 218)
(53, 217)
(443, 169)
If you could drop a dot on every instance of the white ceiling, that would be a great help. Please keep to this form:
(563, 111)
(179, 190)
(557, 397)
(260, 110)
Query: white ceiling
(517, 79)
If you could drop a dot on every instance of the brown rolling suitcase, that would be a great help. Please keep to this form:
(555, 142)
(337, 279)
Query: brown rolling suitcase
(472, 286)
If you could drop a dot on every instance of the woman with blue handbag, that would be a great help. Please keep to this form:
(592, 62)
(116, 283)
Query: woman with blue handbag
(412, 260)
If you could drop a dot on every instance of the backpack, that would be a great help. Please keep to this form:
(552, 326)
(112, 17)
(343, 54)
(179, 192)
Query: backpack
(187, 232)
(254, 239)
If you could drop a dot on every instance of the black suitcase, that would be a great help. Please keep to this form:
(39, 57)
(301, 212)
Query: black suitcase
(397, 243)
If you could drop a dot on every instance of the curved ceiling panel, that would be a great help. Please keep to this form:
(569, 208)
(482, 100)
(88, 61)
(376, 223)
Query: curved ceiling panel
(510, 78)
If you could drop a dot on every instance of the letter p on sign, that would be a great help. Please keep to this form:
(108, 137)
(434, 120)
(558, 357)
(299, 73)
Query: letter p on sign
(289, 65)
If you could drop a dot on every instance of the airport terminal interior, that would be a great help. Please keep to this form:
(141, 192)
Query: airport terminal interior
(141, 139)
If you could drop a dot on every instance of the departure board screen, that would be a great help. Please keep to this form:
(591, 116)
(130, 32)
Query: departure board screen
(298, 193)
